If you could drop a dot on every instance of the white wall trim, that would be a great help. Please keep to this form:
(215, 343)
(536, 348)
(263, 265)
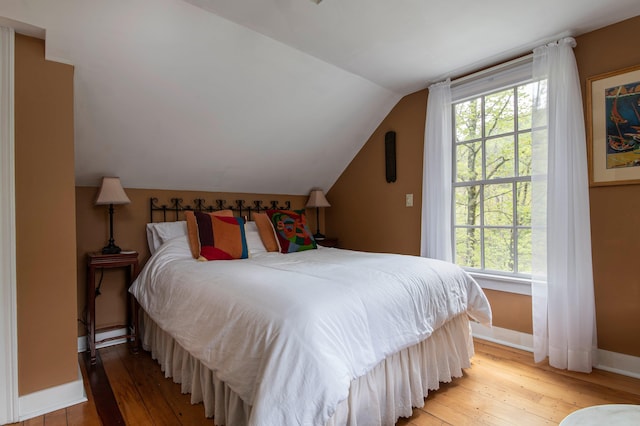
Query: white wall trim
(626, 365)
(614, 362)
(8, 301)
(23, 28)
(82, 340)
(502, 283)
(503, 336)
(52, 399)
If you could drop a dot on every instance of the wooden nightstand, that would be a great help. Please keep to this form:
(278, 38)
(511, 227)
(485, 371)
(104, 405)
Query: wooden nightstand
(97, 260)
(328, 242)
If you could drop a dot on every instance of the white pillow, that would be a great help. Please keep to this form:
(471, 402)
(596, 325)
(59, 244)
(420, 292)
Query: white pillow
(252, 236)
(161, 232)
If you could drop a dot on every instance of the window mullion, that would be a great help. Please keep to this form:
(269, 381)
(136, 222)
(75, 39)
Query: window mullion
(514, 229)
(454, 174)
(516, 169)
(483, 156)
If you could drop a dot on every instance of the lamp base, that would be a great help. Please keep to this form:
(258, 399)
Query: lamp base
(111, 249)
(318, 236)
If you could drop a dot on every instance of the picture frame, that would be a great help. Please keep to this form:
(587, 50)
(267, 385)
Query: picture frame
(613, 127)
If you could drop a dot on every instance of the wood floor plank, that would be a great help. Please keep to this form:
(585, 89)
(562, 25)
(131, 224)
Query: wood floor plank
(508, 377)
(436, 405)
(609, 379)
(421, 418)
(147, 384)
(102, 393)
(56, 418)
(508, 388)
(583, 392)
(560, 399)
(479, 409)
(485, 403)
(501, 391)
(150, 374)
(35, 421)
(130, 402)
(189, 414)
(84, 413)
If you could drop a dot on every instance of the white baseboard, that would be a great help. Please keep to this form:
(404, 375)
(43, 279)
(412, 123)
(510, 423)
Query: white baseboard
(82, 340)
(58, 397)
(52, 399)
(503, 336)
(614, 362)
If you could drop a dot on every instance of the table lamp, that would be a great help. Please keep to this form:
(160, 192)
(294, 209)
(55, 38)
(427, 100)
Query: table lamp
(317, 200)
(111, 192)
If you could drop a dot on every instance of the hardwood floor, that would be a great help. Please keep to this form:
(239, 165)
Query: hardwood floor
(503, 387)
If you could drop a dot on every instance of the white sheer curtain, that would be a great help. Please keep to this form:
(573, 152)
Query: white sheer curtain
(562, 290)
(435, 241)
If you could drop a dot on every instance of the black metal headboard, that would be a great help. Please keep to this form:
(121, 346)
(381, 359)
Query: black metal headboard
(239, 208)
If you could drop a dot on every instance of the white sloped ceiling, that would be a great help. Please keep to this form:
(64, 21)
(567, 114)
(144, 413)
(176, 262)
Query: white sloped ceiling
(267, 96)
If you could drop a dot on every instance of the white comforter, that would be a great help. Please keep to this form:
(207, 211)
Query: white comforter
(288, 333)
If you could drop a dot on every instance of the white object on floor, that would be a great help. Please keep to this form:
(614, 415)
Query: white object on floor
(609, 414)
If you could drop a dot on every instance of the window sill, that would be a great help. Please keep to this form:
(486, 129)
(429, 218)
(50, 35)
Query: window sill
(502, 283)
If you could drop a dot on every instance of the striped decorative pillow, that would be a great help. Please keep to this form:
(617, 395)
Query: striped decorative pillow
(200, 229)
(230, 241)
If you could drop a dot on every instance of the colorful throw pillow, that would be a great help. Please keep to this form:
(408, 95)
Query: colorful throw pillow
(212, 253)
(291, 230)
(265, 229)
(200, 229)
(230, 241)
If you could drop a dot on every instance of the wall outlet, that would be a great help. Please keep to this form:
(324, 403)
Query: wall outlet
(409, 200)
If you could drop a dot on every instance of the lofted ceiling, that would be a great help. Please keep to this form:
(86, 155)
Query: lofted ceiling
(269, 96)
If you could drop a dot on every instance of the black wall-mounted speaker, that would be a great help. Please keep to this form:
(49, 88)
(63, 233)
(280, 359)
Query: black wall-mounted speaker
(390, 155)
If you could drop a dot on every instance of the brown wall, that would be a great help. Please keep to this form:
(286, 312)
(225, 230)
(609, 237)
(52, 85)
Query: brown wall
(512, 311)
(45, 219)
(617, 284)
(369, 214)
(130, 234)
(366, 212)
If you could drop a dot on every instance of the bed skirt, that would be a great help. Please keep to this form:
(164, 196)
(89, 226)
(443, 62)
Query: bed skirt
(389, 391)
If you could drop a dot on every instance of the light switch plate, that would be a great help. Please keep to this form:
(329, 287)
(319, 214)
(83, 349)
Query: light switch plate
(409, 200)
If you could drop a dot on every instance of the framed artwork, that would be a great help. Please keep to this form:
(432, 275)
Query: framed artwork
(613, 115)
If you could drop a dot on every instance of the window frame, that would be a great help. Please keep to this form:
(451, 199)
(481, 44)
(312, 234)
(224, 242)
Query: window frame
(511, 76)
(484, 181)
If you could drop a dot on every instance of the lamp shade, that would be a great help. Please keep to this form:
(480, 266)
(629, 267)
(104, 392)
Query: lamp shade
(317, 199)
(111, 192)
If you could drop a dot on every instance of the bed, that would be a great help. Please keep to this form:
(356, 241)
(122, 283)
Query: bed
(316, 337)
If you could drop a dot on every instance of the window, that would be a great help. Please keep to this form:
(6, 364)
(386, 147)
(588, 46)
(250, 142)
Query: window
(492, 180)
